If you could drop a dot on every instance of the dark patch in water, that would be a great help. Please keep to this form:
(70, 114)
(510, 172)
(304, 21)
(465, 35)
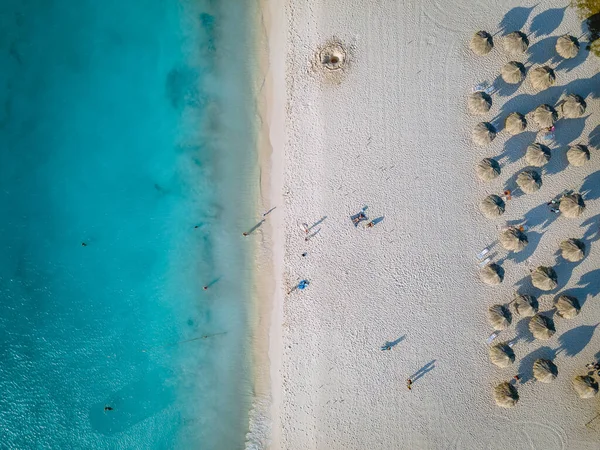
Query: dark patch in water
(208, 24)
(182, 88)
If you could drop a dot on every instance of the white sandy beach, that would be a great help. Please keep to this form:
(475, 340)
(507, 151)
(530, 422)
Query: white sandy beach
(394, 134)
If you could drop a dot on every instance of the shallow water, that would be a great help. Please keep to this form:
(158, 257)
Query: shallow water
(121, 128)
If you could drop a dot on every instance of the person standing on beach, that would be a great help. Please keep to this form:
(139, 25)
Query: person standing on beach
(409, 384)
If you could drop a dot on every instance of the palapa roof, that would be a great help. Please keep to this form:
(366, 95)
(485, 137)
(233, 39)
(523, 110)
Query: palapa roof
(529, 181)
(585, 386)
(481, 43)
(542, 78)
(487, 169)
(567, 306)
(513, 239)
(492, 274)
(526, 305)
(499, 317)
(578, 155)
(544, 278)
(544, 116)
(544, 370)
(513, 72)
(573, 106)
(572, 249)
(515, 123)
(567, 46)
(516, 42)
(537, 155)
(483, 133)
(541, 327)
(572, 205)
(479, 102)
(506, 395)
(492, 206)
(501, 355)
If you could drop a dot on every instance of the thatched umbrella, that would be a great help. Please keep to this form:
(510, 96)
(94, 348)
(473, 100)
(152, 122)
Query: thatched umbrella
(499, 317)
(567, 46)
(483, 133)
(513, 239)
(492, 274)
(526, 305)
(513, 72)
(487, 169)
(481, 43)
(479, 102)
(572, 249)
(529, 181)
(544, 116)
(572, 205)
(502, 355)
(541, 327)
(585, 386)
(506, 395)
(515, 123)
(573, 106)
(567, 306)
(578, 155)
(544, 278)
(492, 206)
(542, 78)
(516, 42)
(537, 155)
(544, 370)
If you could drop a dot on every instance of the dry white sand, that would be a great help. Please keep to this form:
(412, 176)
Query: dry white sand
(393, 132)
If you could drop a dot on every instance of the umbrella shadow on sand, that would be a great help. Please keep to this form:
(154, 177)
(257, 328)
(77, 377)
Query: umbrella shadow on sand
(514, 147)
(526, 363)
(540, 216)
(594, 137)
(533, 239)
(543, 51)
(515, 19)
(574, 341)
(547, 21)
(522, 332)
(568, 130)
(504, 89)
(591, 186)
(593, 229)
(569, 64)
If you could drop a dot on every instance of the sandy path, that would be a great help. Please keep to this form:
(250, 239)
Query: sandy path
(394, 134)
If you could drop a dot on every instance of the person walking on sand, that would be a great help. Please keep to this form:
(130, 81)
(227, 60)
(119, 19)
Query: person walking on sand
(409, 384)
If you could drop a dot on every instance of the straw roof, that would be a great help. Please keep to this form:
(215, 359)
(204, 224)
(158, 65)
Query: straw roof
(544, 278)
(544, 116)
(506, 395)
(573, 106)
(513, 72)
(541, 327)
(572, 249)
(513, 239)
(499, 317)
(479, 102)
(578, 155)
(529, 181)
(492, 274)
(492, 206)
(526, 305)
(481, 43)
(487, 169)
(483, 133)
(567, 306)
(516, 42)
(501, 355)
(567, 46)
(537, 155)
(585, 386)
(544, 370)
(542, 78)
(572, 205)
(515, 123)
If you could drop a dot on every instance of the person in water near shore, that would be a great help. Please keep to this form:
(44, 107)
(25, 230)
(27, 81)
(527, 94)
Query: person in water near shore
(83, 244)
(205, 288)
(108, 408)
(244, 234)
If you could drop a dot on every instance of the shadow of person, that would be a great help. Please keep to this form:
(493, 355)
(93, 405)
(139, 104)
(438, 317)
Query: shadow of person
(547, 21)
(515, 19)
(392, 344)
(573, 341)
(591, 185)
(526, 363)
(141, 399)
(423, 371)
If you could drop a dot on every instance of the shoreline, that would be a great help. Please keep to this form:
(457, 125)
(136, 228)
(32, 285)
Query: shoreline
(268, 251)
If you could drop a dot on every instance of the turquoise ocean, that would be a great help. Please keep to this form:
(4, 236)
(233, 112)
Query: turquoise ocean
(128, 172)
